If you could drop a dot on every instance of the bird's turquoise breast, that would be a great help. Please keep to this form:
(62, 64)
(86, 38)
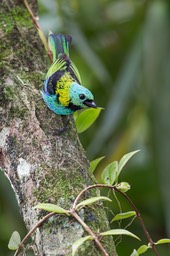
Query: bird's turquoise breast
(54, 105)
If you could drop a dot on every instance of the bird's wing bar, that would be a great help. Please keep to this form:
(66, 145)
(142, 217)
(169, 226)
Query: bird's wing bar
(75, 71)
(59, 64)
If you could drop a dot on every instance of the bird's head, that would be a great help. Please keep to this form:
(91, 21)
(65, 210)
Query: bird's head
(80, 97)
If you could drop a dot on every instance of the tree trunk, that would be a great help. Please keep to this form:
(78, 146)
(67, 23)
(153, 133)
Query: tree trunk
(41, 167)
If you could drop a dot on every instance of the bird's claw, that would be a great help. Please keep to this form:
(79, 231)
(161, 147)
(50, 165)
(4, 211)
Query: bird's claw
(60, 131)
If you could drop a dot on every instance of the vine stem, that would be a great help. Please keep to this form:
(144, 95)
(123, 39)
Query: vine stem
(32, 231)
(40, 32)
(129, 201)
(140, 220)
(73, 213)
(77, 217)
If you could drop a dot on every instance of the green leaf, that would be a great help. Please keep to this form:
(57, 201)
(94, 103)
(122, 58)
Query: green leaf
(14, 241)
(134, 253)
(51, 208)
(123, 186)
(94, 163)
(109, 173)
(123, 215)
(86, 118)
(75, 115)
(92, 200)
(79, 242)
(163, 241)
(142, 249)
(124, 160)
(119, 232)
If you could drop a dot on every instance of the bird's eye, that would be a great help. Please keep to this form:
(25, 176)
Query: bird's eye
(82, 96)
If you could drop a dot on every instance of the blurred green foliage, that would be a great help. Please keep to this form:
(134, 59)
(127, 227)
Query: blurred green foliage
(122, 50)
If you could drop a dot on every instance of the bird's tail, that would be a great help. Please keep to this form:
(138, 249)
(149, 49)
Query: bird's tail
(59, 44)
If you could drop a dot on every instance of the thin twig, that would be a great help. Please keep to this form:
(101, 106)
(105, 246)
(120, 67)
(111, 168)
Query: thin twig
(32, 231)
(40, 31)
(32, 15)
(76, 216)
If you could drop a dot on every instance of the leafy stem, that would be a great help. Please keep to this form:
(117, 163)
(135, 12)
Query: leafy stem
(54, 209)
(129, 201)
(32, 231)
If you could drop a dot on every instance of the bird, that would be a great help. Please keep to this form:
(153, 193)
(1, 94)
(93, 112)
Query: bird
(62, 89)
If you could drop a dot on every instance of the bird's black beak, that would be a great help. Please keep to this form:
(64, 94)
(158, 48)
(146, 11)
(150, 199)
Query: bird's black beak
(90, 103)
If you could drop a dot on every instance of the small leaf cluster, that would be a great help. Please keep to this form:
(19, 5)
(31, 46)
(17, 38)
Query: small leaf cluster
(143, 248)
(110, 176)
(112, 171)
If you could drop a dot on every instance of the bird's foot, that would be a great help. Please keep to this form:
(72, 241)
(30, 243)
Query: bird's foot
(60, 131)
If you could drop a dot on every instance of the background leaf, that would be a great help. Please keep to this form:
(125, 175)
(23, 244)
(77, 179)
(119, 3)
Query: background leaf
(14, 241)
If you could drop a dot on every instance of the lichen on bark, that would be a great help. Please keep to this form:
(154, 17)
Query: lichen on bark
(41, 167)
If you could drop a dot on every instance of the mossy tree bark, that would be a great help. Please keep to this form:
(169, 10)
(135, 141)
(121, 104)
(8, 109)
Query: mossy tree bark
(41, 167)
